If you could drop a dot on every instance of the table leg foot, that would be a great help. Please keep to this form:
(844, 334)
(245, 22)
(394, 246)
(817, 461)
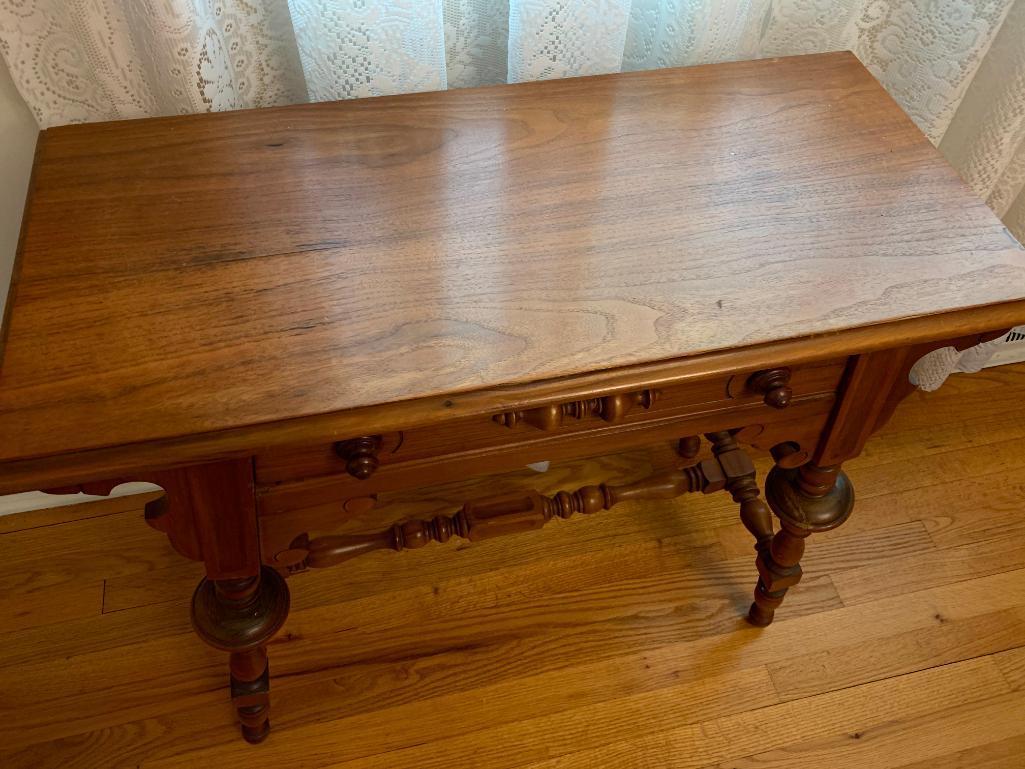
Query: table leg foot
(250, 691)
(239, 616)
(806, 500)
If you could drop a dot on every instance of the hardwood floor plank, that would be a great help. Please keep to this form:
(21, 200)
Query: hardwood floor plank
(826, 717)
(57, 698)
(1003, 754)
(1012, 665)
(856, 663)
(996, 460)
(960, 726)
(991, 510)
(49, 605)
(91, 549)
(937, 434)
(56, 516)
(149, 588)
(95, 632)
(937, 567)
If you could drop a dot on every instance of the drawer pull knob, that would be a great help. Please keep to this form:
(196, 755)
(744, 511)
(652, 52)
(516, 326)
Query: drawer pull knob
(611, 408)
(774, 384)
(360, 455)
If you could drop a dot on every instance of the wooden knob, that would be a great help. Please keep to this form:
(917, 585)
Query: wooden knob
(360, 455)
(689, 447)
(774, 384)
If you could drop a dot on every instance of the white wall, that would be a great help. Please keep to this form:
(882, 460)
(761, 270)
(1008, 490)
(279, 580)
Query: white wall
(18, 133)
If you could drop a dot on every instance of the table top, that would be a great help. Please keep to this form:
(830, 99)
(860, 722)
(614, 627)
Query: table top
(202, 273)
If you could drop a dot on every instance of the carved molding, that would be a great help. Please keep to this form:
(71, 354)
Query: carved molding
(611, 408)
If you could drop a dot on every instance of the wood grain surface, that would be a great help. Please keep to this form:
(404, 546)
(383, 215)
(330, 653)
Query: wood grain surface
(187, 275)
(610, 641)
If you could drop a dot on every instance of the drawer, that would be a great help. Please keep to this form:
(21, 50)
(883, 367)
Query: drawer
(339, 502)
(473, 434)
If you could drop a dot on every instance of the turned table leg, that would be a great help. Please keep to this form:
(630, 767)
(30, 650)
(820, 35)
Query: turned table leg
(208, 513)
(806, 500)
(818, 496)
(240, 616)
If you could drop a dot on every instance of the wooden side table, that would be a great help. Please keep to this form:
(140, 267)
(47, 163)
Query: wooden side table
(277, 315)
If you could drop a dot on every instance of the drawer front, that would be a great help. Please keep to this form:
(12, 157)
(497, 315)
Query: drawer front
(310, 489)
(369, 458)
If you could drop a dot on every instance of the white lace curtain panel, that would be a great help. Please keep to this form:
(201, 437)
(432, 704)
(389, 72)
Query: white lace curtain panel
(956, 66)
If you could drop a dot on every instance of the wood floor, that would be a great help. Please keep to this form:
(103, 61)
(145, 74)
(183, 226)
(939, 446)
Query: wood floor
(611, 641)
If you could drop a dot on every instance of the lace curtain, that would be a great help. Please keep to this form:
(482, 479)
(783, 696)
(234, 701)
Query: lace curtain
(956, 66)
